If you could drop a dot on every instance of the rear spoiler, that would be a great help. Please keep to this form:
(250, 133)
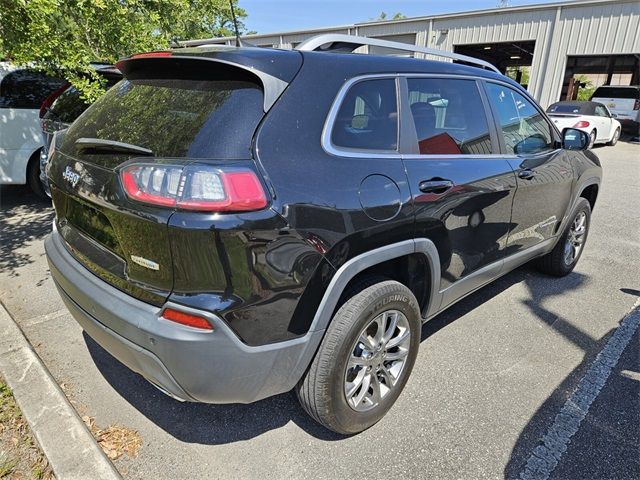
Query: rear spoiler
(272, 86)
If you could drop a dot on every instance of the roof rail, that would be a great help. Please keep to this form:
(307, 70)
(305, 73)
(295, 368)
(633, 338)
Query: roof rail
(338, 41)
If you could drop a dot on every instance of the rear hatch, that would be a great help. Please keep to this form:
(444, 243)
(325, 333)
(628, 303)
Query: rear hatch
(623, 101)
(170, 113)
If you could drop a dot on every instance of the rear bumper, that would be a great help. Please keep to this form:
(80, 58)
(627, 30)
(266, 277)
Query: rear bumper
(212, 367)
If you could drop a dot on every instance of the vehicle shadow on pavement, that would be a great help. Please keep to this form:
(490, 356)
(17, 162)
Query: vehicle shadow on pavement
(609, 433)
(222, 424)
(200, 422)
(24, 218)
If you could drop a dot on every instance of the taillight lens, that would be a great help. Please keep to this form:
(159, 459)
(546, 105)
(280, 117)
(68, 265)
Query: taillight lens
(636, 105)
(194, 187)
(581, 124)
(188, 319)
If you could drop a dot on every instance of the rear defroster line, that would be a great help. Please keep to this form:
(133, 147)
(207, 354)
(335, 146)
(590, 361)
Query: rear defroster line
(546, 455)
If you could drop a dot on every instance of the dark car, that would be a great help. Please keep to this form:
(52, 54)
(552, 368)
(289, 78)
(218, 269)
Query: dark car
(62, 107)
(234, 223)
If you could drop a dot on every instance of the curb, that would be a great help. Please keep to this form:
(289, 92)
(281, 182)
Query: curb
(65, 440)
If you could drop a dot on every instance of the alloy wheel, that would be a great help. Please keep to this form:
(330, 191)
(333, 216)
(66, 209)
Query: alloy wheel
(575, 239)
(377, 360)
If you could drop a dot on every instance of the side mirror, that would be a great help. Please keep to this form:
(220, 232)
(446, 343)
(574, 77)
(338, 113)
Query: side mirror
(573, 139)
(613, 115)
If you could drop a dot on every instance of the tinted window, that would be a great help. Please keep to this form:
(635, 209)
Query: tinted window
(524, 129)
(26, 89)
(70, 105)
(609, 92)
(449, 117)
(175, 118)
(368, 117)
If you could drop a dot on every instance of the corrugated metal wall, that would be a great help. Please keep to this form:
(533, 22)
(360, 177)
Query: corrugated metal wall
(589, 28)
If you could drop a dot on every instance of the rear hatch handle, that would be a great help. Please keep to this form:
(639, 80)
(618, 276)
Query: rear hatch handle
(100, 145)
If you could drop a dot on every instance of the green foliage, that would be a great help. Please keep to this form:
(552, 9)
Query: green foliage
(63, 37)
(512, 73)
(384, 16)
(584, 93)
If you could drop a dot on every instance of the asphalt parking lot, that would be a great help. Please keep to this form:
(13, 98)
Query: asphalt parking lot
(492, 375)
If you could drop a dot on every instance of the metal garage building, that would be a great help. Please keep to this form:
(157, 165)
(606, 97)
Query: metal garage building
(596, 38)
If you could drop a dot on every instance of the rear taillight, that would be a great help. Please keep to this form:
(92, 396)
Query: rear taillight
(581, 124)
(52, 98)
(188, 319)
(194, 187)
(636, 105)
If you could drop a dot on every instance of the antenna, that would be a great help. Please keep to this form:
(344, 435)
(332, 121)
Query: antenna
(235, 25)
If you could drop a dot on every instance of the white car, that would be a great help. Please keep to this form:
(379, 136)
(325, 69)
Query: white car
(22, 94)
(623, 101)
(591, 117)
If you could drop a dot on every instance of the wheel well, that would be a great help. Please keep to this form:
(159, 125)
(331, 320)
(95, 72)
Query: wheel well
(411, 270)
(590, 193)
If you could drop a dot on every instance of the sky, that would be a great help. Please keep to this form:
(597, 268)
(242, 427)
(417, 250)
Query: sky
(269, 16)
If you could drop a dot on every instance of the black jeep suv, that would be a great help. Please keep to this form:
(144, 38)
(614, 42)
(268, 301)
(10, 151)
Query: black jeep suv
(234, 223)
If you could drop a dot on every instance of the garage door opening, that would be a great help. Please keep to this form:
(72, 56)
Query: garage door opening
(513, 59)
(586, 73)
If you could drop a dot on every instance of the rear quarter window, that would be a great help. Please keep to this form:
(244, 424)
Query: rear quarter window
(368, 117)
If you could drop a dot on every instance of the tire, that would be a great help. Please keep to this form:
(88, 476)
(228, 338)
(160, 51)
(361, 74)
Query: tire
(614, 139)
(556, 262)
(322, 391)
(33, 176)
(592, 139)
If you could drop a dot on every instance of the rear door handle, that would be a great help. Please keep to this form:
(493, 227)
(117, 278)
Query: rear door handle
(527, 174)
(434, 185)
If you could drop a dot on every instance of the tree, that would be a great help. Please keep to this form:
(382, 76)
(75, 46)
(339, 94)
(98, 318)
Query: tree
(63, 37)
(586, 87)
(384, 17)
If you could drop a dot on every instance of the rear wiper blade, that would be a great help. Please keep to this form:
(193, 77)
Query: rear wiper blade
(100, 145)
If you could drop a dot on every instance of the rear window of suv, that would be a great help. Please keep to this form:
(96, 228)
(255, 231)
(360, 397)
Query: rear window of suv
(617, 92)
(179, 118)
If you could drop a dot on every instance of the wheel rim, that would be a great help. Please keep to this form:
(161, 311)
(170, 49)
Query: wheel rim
(592, 139)
(575, 239)
(377, 360)
(616, 134)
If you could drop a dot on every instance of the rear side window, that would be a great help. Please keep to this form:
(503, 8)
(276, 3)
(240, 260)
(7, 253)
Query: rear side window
(368, 117)
(183, 118)
(27, 89)
(523, 128)
(449, 117)
(609, 92)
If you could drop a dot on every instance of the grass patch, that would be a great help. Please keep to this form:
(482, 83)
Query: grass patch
(20, 457)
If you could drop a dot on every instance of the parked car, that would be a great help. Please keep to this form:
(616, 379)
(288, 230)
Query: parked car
(22, 92)
(234, 223)
(591, 117)
(60, 110)
(623, 101)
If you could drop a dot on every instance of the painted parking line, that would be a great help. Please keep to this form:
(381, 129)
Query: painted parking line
(546, 455)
